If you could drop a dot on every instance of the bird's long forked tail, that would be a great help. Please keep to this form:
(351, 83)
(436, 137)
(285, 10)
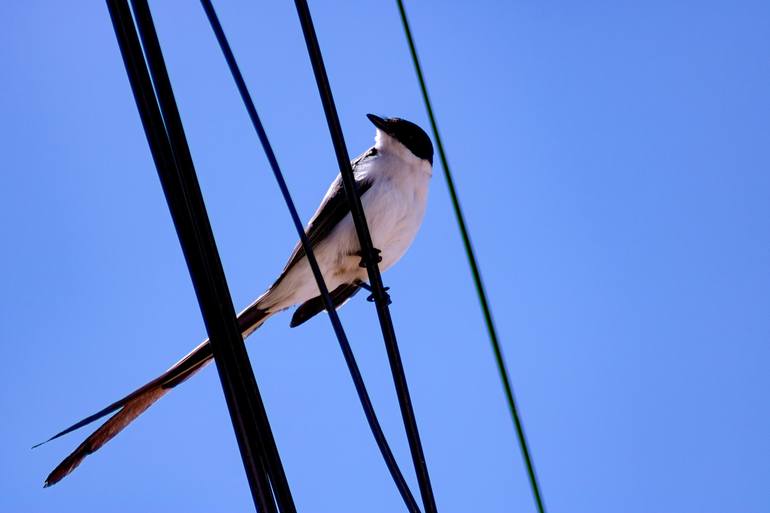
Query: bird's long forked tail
(134, 404)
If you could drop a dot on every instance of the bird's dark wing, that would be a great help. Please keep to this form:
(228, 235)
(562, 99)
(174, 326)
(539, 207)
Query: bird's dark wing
(314, 306)
(332, 210)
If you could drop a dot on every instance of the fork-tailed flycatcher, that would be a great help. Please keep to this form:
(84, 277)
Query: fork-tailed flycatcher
(392, 179)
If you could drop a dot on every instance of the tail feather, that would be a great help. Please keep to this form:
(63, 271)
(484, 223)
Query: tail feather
(105, 433)
(134, 404)
(184, 368)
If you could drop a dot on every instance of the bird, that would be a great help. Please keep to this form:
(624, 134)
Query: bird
(392, 179)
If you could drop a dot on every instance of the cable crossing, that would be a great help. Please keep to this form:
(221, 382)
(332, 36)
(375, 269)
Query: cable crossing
(162, 124)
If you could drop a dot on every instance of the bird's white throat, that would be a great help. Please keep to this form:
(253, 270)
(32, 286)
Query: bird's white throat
(385, 143)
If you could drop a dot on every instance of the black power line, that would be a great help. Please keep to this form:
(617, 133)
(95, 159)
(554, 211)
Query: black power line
(170, 152)
(347, 352)
(480, 290)
(369, 256)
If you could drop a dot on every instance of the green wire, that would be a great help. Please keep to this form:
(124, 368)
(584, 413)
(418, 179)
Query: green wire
(474, 270)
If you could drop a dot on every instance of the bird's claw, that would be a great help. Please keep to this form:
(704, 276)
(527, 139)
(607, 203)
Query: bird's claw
(371, 297)
(385, 290)
(375, 254)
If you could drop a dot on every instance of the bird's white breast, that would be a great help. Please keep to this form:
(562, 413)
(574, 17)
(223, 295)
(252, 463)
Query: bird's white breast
(395, 204)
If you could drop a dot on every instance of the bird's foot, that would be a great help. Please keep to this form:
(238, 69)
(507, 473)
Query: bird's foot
(371, 298)
(375, 256)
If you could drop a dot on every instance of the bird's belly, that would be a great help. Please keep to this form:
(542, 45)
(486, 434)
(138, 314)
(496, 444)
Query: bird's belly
(393, 214)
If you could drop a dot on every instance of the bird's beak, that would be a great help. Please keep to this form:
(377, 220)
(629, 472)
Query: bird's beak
(378, 122)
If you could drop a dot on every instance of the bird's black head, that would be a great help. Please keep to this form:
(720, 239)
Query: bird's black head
(407, 133)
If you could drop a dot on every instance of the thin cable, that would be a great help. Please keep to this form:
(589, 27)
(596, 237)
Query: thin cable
(480, 290)
(370, 257)
(347, 352)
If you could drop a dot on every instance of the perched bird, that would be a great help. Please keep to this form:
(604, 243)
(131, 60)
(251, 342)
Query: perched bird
(392, 179)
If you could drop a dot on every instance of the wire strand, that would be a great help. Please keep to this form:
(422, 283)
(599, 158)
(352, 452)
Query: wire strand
(355, 372)
(472, 261)
(370, 257)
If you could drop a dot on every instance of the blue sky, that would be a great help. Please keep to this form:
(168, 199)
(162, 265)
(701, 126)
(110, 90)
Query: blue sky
(612, 159)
